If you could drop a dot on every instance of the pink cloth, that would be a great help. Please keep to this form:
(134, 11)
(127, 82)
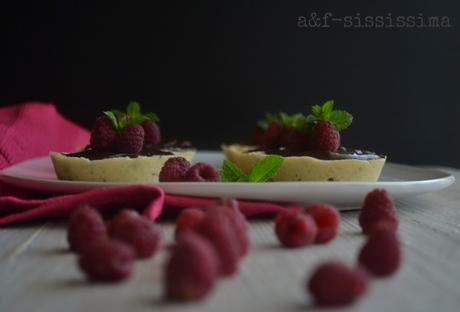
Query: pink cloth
(34, 129)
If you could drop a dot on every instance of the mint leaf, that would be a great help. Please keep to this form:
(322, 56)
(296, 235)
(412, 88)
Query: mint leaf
(340, 119)
(231, 173)
(113, 119)
(327, 107)
(265, 168)
(316, 110)
(152, 116)
(133, 109)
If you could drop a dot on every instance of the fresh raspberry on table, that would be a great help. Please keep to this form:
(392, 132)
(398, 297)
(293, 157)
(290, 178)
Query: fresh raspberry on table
(138, 232)
(202, 172)
(335, 284)
(192, 269)
(85, 226)
(131, 140)
(327, 219)
(273, 134)
(217, 228)
(381, 254)
(107, 261)
(103, 135)
(378, 207)
(325, 138)
(295, 141)
(295, 229)
(188, 220)
(174, 170)
(152, 132)
(237, 220)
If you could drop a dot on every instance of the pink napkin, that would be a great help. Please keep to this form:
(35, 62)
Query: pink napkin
(34, 129)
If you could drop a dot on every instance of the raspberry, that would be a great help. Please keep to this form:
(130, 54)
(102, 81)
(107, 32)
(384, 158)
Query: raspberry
(192, 269)
(216, 227)
(85, 226)
(152, 132)
(294, 140)
(258, 136)
(295, 229)
(327, 219)
(202, 172)
(381, 254)
(107, 261)
(324, 137)
(377, 207)
(335, 284)
(103, 135)
(174, 170)
(238, 222)
(188, 220)
(137, 231)
(273, 134)
(131, 139)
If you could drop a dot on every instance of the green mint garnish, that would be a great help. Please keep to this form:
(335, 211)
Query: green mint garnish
(339, 118)
(262, 171)
(326, 112)
(132, 116)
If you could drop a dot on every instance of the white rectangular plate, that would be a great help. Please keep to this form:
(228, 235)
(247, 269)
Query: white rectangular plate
(398, 180)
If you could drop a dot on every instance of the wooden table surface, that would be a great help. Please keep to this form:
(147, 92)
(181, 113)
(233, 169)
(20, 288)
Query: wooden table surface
(37, 273)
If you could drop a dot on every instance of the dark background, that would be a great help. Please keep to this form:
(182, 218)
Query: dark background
(210, 69)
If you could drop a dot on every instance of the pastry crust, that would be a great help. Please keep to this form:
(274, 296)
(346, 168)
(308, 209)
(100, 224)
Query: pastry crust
(306, 168)
(142, 169)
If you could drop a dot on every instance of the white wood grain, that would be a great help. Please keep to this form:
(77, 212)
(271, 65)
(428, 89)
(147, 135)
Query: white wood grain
(38, 274)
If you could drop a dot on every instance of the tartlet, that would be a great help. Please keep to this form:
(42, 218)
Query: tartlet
(123, 147)
(310, 146)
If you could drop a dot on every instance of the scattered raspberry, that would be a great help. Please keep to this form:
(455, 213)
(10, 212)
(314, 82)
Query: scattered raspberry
(152, 132)
(258, 136)
(335, 284)
(174, 170)
(327, 219)
(381, 254)
(107, 261)
(192, 269)
(131, 139)
(295, 229)
(216, 227)
(377, 207)
(103, 135)
(202, 172)
(324, 137)
(238, 222)
(294, 140)
(188, 220)
(138, 232)
(85, 227)
(273, 134)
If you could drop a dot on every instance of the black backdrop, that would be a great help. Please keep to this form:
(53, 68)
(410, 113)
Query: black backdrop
(211, 68)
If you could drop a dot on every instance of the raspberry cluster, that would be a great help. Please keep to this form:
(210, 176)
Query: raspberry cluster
(125, 132)
(179, 169)
(317, 223)
(333, 283)
(107, 252)
(209, 245)
(318, 131)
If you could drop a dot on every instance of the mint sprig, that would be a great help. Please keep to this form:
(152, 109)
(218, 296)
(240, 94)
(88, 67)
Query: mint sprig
(132, 116)
(326, 112)
(262, 171)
